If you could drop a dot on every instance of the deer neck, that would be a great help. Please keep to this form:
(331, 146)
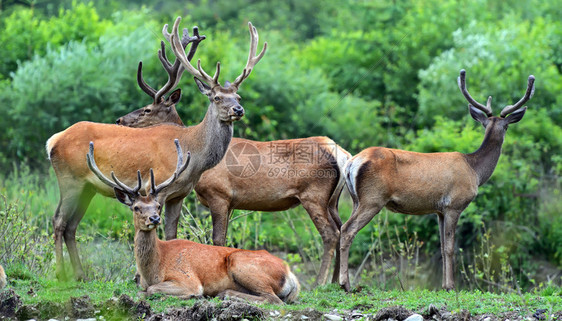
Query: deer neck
(215, 136)
(174, 117)
(484, 160)
(147, 255)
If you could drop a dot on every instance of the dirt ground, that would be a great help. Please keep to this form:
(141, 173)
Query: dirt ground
(125, 308)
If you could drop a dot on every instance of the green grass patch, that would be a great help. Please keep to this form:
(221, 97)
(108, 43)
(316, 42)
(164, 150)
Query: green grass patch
(323, 299)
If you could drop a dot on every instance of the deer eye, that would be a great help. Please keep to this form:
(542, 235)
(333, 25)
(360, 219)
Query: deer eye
(217, 98)
(148, 110)
(159, 207)
(136, 208)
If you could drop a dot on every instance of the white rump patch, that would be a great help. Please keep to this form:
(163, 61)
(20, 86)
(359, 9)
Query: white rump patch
(50, 144)
(351, 170)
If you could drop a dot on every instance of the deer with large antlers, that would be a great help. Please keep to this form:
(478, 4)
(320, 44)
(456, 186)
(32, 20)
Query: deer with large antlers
(417, 183)
(159, 105)
(125, 149)
(307, 171)
(188, 269)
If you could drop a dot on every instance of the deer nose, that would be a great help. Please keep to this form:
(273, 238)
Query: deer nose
(238, 110)
(155, 219)
(118, 122)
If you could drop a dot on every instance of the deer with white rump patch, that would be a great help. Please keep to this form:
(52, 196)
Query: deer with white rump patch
(125, 149)
(187, 269)
(417, 183)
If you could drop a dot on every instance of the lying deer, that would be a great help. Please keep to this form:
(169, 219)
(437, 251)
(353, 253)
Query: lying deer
(187, 269)
(126, 149)
(415, 183)
(290, 172)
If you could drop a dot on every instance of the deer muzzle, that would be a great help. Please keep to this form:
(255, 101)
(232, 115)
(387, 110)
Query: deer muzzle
(236, 112)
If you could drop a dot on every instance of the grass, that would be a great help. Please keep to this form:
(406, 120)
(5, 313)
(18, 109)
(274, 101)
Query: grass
(385, 257)
(324, 299)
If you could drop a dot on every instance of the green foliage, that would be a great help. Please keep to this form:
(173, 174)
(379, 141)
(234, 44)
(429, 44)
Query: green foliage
(83, 84)
(21, 243)
(26, 33)
(489, 53)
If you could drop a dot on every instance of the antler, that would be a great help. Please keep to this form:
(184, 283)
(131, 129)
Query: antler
(174, 71)
(180, 55)
(462, 86)
(252, 58)
(180, 167)
(116, 183)
(528, 94)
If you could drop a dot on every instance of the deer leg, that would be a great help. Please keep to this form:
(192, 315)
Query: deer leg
(329, 232)
(441, 220)
(70, 231)
(59, 224)
(260, 298)
(185, 291)
(256, 275)
(333, 208)
(172, 217)
(72, 206)
(220, 214)
(451, 219)
(360, 216)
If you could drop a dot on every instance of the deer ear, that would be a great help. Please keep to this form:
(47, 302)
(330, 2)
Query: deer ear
(516, 115)
(203, 87)
(123, 197)
(174, 98)
(478, 115)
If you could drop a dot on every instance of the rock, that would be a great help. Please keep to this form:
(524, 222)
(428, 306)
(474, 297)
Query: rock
(487, 319)
(397, 313)
(81, 307)
(414, 317)
(304, 317)
(142, 310)
(27, 312)
(433, 310)
(332, 317)
(9, 303)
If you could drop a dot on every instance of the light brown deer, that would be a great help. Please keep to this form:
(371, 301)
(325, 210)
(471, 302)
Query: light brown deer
(125, 149)
(286, 173)
(188, 269)
(416, 183)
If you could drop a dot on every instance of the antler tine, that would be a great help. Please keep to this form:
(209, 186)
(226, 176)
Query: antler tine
(116, 183)
(176, 70)
(252, 58)
(195, 40)
(528, 94)
(461, 81)
(180, 167)
(94, 167)
(142, 84)
(124, 187)
(180, 55)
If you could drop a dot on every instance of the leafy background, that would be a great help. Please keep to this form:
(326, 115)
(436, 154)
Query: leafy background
(361, 72)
